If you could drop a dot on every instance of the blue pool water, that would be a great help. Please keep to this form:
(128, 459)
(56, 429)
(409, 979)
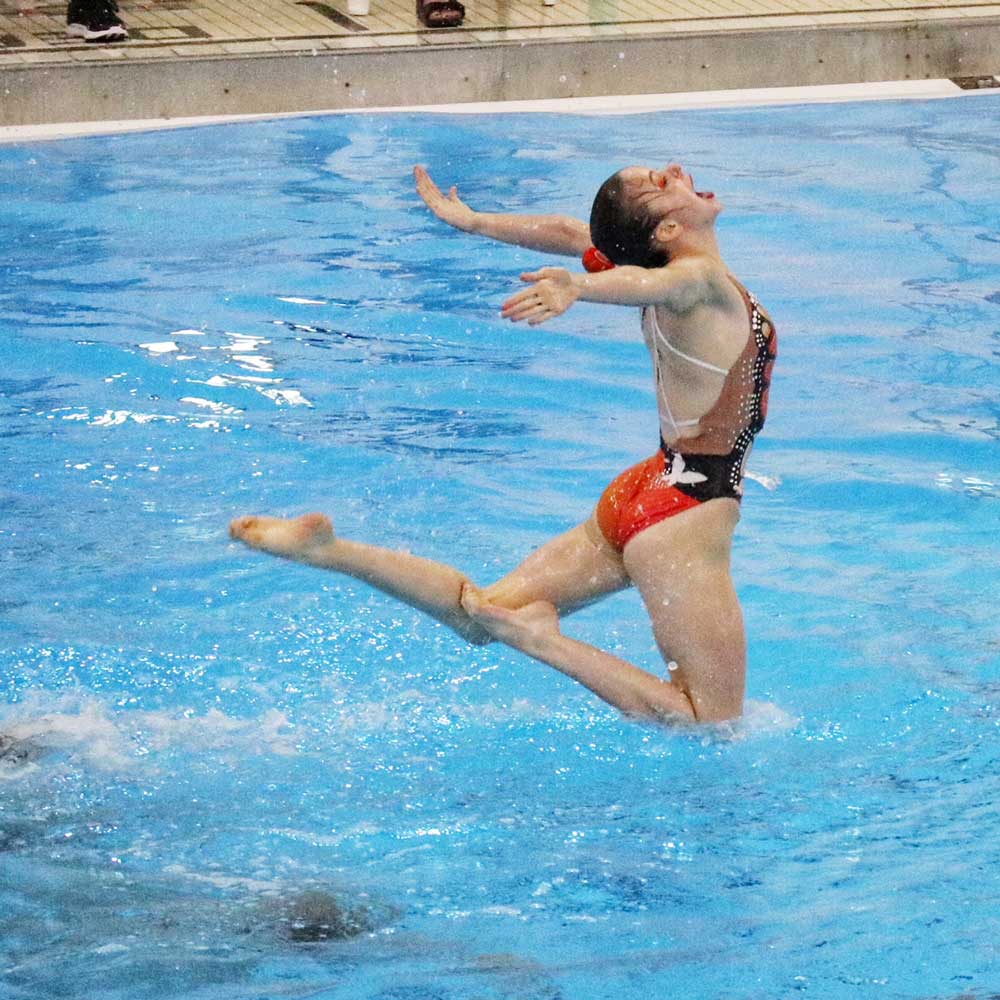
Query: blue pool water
(263, 318)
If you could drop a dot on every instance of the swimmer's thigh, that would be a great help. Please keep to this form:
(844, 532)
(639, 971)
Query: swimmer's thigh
(681, 568)
(571, 571)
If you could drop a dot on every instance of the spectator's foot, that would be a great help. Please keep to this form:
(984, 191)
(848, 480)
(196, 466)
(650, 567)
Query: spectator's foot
(98, 32)
(440, 13)
(95, 22)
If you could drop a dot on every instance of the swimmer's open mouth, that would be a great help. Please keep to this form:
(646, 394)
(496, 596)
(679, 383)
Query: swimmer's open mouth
(707, 195)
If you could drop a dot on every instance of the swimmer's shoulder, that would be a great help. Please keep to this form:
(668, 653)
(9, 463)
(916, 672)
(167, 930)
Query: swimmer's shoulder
(700, 283)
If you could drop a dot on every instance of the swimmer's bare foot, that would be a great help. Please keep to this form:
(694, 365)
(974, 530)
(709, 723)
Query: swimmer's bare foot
(304, 539)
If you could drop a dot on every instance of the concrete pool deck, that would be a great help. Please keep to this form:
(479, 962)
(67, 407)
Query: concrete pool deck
(189, 58)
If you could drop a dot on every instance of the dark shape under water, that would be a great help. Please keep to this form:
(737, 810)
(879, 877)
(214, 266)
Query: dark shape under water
(319, 916)
(16, 753)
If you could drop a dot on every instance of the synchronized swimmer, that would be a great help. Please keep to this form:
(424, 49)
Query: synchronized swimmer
(666, 524)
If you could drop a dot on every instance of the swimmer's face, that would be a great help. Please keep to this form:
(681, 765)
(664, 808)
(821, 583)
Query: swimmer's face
(669, 194)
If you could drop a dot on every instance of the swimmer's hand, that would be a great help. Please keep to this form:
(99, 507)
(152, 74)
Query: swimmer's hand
(448, 208)
(526, 629)
(553, 290)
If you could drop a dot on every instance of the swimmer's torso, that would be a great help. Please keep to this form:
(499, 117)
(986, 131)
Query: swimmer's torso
(712, 369)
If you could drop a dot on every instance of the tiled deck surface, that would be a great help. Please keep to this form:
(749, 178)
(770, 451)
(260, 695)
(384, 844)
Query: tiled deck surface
(33, 33)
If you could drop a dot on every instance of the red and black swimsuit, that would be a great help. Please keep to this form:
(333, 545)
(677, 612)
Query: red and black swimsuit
(708, 465)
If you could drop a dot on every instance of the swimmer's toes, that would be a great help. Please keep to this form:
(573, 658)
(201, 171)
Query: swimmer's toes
(240, 526)
(292, 537)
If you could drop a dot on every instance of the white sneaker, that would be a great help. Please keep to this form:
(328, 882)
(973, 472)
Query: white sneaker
(98, 31)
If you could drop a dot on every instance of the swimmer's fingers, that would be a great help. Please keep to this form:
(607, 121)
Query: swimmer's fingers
(532, 313)
(448, 208)
(518, 302)
(526, 295)
(525, 305)
(540, 314)
(557, 274)
(553, 291)
(426, 187)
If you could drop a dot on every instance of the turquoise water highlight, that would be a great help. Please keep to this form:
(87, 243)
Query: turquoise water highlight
(263, 317)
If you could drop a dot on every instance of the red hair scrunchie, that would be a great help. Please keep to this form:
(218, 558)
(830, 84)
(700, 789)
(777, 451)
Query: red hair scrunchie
(594, 261)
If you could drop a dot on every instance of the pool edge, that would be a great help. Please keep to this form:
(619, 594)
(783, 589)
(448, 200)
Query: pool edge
(786, 53)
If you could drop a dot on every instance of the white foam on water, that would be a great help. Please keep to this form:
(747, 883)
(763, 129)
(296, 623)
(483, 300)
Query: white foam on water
(95, 735)
(222, 409)
(226, 882)
(759, 719)
(244, 342)
(763, 718)
(115, 948)
(217, 731)
(970, 485)
(224, 381)
(116, 418)
(83, 728)
(363, 828)
(255, 362)
(286, 397)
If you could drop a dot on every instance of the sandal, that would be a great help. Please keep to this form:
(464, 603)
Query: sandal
(440, 13)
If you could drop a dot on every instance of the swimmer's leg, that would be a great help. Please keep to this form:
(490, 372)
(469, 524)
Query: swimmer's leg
(429, 586)
(570, 571)
(681, 568)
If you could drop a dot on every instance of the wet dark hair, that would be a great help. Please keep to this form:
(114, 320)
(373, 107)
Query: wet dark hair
(622, 230)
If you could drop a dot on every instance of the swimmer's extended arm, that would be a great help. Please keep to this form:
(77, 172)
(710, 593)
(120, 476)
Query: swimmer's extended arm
(553, 290)
(534, 630)
(558, 234)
